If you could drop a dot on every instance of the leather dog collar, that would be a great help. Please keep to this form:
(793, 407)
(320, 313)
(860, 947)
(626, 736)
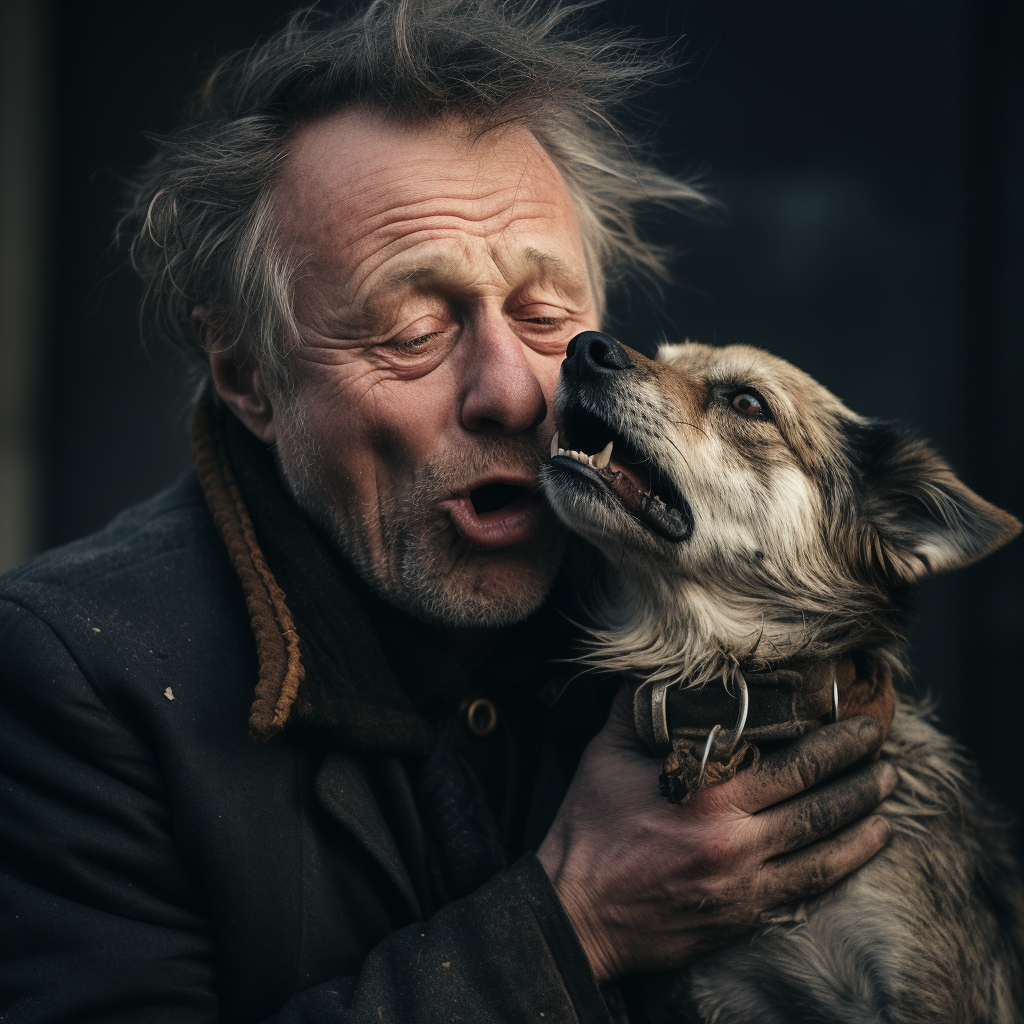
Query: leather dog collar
(783, 703)
(685, 724)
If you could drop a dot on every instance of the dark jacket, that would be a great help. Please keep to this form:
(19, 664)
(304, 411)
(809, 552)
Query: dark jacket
(158, 864)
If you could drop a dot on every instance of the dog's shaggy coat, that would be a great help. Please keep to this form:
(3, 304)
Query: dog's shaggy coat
(750, 521)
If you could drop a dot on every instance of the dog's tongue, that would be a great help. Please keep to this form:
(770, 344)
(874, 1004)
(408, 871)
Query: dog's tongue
(625, 488)
(627, 472)
(649, 509)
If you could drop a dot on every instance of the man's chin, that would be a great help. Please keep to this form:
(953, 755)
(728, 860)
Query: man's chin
(481, 586)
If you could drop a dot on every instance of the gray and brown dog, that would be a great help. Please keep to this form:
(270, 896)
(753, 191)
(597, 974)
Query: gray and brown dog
(762, 538)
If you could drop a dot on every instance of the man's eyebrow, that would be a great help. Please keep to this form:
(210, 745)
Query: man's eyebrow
(401, 277)
(381, 296)
(551, 266)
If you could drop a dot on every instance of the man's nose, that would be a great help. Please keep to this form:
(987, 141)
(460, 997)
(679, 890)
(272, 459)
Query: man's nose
(503, 394)
(593, 356)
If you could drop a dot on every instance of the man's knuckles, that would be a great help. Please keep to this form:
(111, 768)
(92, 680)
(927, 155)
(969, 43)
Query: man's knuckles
(833, 748)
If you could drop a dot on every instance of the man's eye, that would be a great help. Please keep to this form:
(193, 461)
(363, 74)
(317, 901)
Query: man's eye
(553, 322)
(417, 343)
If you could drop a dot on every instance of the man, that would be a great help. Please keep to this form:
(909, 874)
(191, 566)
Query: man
(290, 741)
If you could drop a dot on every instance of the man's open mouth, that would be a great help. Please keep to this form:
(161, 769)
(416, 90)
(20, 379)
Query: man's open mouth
(627, 472)
(493, 497)
(499, 513)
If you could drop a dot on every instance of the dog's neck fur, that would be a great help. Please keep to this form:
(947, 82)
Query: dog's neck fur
(693, 633)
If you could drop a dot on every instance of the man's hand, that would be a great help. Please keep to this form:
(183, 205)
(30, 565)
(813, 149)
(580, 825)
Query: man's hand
(648, 885)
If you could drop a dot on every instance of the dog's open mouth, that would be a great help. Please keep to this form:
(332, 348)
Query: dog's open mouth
(616, 464)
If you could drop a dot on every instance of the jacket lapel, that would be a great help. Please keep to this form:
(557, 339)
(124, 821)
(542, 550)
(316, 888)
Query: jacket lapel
(344, 791)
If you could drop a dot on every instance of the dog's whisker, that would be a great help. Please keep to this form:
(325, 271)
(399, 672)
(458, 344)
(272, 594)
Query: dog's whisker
(686, 461)
(685, 423)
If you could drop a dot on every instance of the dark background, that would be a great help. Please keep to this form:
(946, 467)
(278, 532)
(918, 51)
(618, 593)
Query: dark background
(868, 156)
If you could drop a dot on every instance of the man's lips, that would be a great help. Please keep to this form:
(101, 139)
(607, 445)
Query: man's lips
(513, 523)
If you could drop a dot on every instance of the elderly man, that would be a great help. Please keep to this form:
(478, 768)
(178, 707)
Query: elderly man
(293, 741)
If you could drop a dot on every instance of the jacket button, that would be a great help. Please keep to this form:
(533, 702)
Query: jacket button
(481, 717)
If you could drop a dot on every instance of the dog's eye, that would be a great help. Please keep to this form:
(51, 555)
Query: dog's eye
(749, 403)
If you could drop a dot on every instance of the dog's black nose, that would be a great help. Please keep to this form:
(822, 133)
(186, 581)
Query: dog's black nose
(592, 355)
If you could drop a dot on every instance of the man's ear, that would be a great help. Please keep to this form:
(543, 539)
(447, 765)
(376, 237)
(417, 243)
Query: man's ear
(235, 378)
(918, 518)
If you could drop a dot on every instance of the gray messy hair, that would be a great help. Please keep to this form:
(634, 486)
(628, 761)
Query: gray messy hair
(201, 212)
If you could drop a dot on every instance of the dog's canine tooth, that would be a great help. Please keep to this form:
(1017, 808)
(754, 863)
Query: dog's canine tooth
(555, 450)
(603, 457)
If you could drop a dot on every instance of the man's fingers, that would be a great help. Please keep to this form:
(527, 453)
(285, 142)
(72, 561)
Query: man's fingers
(815, 815)
(805, 763)
(813, 870)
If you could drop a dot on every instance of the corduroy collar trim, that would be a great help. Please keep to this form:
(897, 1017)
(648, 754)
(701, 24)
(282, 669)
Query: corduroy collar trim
(316, 645)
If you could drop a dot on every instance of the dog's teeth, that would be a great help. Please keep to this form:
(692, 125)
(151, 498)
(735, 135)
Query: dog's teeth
(554, 445)
(603, 457)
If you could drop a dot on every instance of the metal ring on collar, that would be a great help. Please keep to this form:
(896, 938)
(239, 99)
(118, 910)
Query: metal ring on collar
(659, 715)
(712, 736)
(712, 742)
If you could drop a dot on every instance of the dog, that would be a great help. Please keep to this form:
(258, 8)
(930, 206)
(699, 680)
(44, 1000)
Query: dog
(761, 540)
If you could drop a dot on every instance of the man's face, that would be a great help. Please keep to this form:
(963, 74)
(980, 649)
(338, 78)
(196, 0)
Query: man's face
(442, 278)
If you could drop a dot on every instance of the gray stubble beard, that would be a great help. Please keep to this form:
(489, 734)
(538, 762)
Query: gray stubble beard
(430, 571)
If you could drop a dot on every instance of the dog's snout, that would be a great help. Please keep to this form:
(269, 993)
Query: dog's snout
(592, 355)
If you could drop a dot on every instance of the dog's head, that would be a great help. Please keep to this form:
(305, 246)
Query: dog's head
(738, 496)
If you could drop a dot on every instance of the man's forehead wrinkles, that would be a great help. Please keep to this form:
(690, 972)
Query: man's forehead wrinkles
(379, 286)
(444, 212)
(431, 248)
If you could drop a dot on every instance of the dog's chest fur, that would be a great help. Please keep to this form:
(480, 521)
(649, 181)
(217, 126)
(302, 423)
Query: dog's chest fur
(930, 930)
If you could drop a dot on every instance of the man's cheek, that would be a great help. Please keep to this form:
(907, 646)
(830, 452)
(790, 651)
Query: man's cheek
(407, 428)
(395, 463)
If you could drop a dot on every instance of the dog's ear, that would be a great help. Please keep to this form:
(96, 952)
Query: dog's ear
(917, 518)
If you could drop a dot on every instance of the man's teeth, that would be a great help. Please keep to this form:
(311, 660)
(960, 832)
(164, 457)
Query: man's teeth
(598, 461)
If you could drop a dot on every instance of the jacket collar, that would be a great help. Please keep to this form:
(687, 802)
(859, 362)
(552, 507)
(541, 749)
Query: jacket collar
(316, 644)
(317, 627)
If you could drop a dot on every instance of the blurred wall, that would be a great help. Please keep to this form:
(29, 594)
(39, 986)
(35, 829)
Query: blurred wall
(868, 159)
(25, 120)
